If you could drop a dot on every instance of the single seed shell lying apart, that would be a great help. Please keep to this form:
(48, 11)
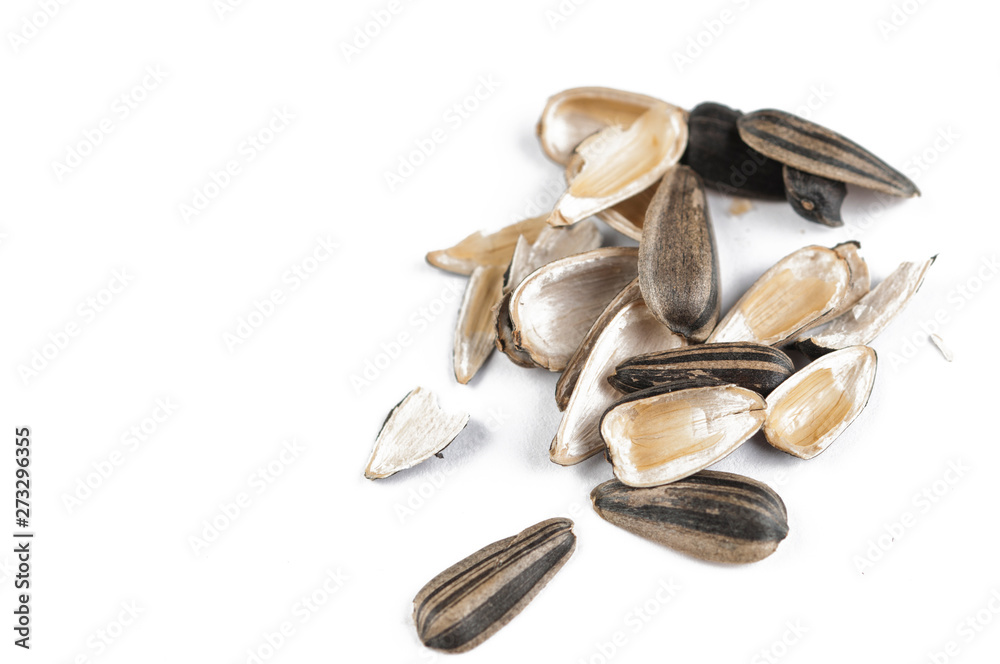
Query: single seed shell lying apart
(678, 263)
(478, 249)
(714, 516)
(745, 364)
(658, 439)
(626, 217)
(553, 308)
(475, 331)
(572, 115)
(807, 412)
(872, 313)
(802, 290)
(815, 197)
(551, 245)
(717, 153)
(468, 602)
(415, 430)
(631, 329)
(809, 147)
(620, 163)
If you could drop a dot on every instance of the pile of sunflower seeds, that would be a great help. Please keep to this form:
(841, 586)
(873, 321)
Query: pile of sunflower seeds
(653, 376)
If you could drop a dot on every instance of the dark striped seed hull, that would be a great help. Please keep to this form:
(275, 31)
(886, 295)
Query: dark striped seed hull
(749, 365)
(809, 147)
(714, 516)
(468, 602)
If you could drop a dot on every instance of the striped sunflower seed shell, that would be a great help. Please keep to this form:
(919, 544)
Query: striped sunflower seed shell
(468, 602)
(752, 366)
(809, 147)
(715, 516)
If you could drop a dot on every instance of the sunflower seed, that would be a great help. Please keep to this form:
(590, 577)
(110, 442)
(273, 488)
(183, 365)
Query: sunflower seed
(478, 249)
(807, 412)
(662, 438)
(745, 364)
(471, 600)
(714, 516)
(809, 147)
(717, 153)
(815, 197)
(415, 430)
(475, 331)
(871, 314)
(629, 328)
(572, 115)
(620, 163)
(678, 263)
(804, 289)
(552, 310)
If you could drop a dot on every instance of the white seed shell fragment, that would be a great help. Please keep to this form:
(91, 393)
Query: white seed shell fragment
(415, 430)
(627, 217)
(629, 331)
(551, 245)
(658, 439)
(493, 249)
(572, 115)
(475, 331)
(807, 412)
(620, 163)
(555, 306)
(871, 314)
(794, 295)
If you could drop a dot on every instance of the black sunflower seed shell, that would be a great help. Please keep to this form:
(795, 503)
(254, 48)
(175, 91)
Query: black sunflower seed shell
(815, 197)
(717, 153)
(468, 602)
(748, 365)
(812, 148)
(714, 516)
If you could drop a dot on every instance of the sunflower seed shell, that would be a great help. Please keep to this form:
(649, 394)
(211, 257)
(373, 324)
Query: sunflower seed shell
(809, 147)
(471, 600)
(745, 364)
(714, 516)
(678, 262)
(815, 197)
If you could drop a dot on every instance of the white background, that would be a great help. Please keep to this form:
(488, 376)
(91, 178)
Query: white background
(191, 283)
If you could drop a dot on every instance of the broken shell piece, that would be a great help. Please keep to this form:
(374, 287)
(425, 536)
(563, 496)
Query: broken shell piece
(714, 516)
(478, 249)
(630, 330)
(620, 163)
(678, 263)
(795, 294)
(871, 314)
(471, 600)
(717, 153)
(555, 306)
(415, 430)
(815, 197)
(745, 364)
(812, 148)
(475, 332)
(807, 412)
(658, 439)
(551, 245)
(573, 115)
(570, 375)
(626, 217)
(505, 336)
